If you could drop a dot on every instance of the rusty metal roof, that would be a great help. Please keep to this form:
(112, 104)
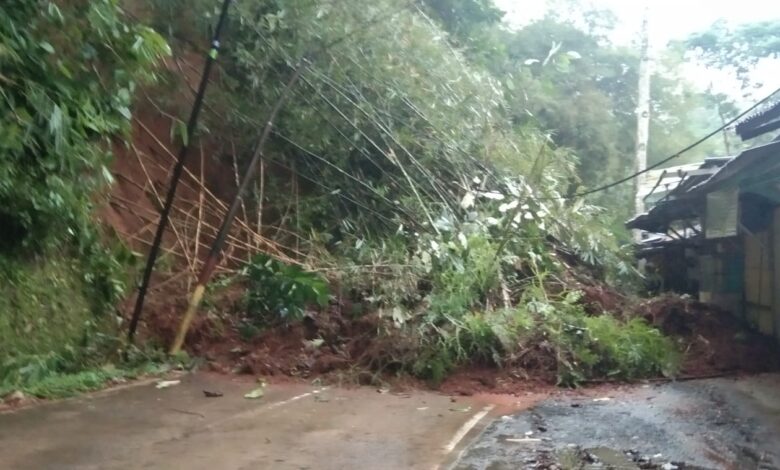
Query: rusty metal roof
(686, 199)
(760, 123)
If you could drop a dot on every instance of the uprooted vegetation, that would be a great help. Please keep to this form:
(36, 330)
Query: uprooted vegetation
(441, 226)
(430, 312)
(409, 217)
(548, 333)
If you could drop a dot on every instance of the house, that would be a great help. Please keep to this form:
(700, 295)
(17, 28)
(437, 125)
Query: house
(713, 229)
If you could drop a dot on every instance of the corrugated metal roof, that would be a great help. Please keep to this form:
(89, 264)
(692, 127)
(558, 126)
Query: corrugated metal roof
(737, 164)
(760, 123)
(679, 201)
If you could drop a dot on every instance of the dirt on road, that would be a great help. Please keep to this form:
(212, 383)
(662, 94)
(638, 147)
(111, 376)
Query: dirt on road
(710, 424)
(329, 345)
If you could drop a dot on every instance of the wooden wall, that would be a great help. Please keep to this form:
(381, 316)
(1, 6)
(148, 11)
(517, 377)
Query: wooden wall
(759, 280)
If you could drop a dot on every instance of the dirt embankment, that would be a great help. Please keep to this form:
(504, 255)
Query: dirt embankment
(329, 342)
(712, 340)
(348, 350)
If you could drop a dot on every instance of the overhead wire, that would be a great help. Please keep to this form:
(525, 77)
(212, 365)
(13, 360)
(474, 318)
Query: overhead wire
(671, 157)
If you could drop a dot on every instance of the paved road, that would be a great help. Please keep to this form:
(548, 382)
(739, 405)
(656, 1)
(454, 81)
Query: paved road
(720, 423)
(292, 427)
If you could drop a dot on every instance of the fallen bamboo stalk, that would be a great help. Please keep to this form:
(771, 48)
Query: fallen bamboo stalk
(275, 248)
(213, 197)
(216, 248)
(179, 239)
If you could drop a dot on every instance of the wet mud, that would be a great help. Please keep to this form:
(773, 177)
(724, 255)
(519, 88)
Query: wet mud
(709, 424)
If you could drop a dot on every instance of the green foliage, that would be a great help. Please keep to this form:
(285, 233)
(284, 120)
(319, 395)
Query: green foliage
(68, 73)
(73, 68)
(469, 22)
(588, 347)
(382, 274)
(581, 347)
(52, 302)
(68, 385)
(44, 380)
(630, 350)
(464, 272)
(78, 369)
(278, 291)
(738, 48)
(488, 338)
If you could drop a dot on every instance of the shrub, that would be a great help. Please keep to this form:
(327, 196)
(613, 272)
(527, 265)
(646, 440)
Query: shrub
(69, 71)
(73, 67)
(605, 347)
(278, 291)
(630, 350)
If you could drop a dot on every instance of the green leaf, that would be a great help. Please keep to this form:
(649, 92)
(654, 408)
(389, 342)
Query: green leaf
(259, 392)
(107, 175)
(125, 112)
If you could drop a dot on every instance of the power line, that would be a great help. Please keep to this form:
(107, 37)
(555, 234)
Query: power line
(673, 156)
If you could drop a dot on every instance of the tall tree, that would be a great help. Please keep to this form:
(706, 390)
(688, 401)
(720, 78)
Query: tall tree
(739, 48)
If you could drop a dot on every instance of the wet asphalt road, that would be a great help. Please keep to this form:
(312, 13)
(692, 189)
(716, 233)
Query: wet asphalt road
(293, 426)
(719, 423)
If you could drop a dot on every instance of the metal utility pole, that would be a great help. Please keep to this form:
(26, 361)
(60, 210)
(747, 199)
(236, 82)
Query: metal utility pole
(643, 110)
(178, 169)
(216, 247)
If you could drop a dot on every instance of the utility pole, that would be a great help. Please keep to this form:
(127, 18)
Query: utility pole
(178, 170)
(642, 111)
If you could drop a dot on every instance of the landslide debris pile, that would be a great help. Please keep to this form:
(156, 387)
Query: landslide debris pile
(712, 340)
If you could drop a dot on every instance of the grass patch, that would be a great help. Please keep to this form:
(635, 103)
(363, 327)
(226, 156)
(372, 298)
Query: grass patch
(65, 385)
(42, 307)
(65, 375)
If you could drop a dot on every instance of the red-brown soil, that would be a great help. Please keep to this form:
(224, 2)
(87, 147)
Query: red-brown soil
(713, 341)
(355, 349)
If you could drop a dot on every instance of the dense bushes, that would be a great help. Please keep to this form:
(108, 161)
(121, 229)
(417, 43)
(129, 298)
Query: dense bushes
(279, 292)
(455, 302)
(68, 73)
